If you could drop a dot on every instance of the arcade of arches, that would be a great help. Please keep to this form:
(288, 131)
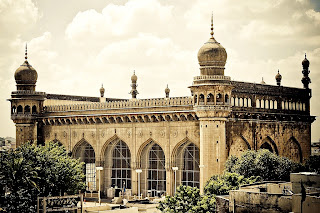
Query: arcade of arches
(120, 172)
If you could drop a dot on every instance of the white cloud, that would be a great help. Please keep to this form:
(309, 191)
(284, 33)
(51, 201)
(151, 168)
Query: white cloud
(136, 16)
(160, 40)
(16, 17)
(314, 15)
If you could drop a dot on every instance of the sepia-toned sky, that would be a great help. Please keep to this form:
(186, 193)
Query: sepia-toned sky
(77, 45)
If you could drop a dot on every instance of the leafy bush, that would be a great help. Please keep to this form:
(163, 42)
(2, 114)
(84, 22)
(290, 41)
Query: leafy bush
(263, 163)
(188, 199)
(222, 184)
(31, 171)
(206, 204)
(185, 198)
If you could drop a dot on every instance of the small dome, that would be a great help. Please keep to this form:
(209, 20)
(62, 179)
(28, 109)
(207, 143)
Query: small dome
(102, 90)
(278, 76)
(134, 77)
(305, 62)
(26, 74)
(167, 90)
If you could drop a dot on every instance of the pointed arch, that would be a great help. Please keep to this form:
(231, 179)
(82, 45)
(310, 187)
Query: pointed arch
(210, 99)
(34, 109)
(294, 151)
(238, 145)
(269, 144)
(186, 156)
(84, 151)
(152, 162)
(27, 109)
(116, 157)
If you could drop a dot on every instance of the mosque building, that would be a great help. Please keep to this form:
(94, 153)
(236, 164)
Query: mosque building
(151, 145)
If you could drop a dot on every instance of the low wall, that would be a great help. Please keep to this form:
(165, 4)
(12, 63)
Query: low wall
(244, 201)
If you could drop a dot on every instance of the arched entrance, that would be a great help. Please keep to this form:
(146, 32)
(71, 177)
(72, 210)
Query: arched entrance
(154, 172)
(187, 161)
(85, 152)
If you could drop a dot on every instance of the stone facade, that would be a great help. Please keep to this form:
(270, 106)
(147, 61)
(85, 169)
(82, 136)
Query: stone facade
(195, 133)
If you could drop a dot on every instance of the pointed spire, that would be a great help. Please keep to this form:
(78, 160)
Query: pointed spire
(212, 26)
(305, 55)
(26, 54)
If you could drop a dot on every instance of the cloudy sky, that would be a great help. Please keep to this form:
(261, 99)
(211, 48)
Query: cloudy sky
(77, 45)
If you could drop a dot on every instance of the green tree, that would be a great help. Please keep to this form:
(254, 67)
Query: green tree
(185, 198)
(222, 184)
(262, 163)
(31, 171)
(206, 204)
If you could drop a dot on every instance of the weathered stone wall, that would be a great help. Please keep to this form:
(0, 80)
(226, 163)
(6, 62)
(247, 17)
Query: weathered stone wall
(244, 201)
(289, 139)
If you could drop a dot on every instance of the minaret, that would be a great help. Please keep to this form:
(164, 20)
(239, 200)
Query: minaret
(26, 104)
(212, 92)
(167, 91)
(305, 71)
(262, 81)
(134, 85)
(278, 78)
(306, 80)
(102, 98)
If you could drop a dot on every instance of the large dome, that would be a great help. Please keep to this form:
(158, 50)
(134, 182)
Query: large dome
(26, 74)
(26, 77)
(212, 57)
(212, 53)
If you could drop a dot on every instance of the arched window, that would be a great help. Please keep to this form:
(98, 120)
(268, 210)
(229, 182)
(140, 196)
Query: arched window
(241, 102)
(27, 109)
(236, 101)
(210, 99)
(275, 104)
(258, 104)
(226, 98)
(245, 102)
(121, 169)
(201, 99)
(249, 102)
(219, 99)
(262, 105)
(19, 109)
(34, 109)
(191, 170)
(85, 152)
(283, 105)
(232, 101)
(195, 99)
(156, 171)
(14, 110)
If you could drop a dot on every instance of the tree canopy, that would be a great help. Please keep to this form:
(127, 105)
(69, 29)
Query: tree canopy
(35, 170)
(263, 163)
(222, 184)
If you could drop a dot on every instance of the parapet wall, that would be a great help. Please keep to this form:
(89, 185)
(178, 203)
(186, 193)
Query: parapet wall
(133, 103)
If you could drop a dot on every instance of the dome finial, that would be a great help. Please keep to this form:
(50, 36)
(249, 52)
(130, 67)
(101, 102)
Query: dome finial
(26, 53)
(212, 25)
